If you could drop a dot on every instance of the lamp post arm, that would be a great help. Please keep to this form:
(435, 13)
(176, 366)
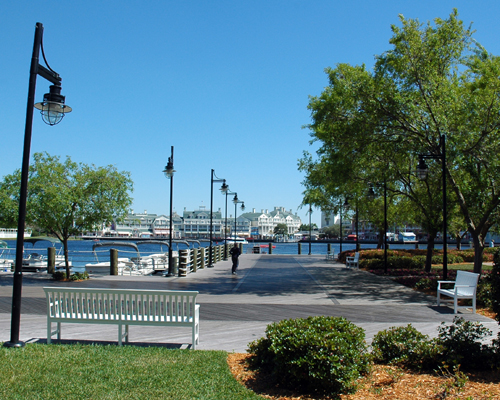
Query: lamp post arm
(49, 75)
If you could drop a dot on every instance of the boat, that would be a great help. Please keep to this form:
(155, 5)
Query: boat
(238, 240)
(36, 262)
(5, 263)
(11, 233)
(126, 265)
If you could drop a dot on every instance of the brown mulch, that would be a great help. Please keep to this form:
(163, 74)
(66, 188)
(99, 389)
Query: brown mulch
(384, 382)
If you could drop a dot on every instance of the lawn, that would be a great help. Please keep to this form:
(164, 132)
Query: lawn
(111, 372)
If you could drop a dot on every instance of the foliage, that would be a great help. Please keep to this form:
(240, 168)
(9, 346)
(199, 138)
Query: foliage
(77, 276)
(281, 229)
(404, 346)
(495, 286)
(462, 345)
(325, 354)
(435, 92)
(66, 198)
(458, 344)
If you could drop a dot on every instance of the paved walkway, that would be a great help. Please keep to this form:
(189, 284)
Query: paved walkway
(235, 310)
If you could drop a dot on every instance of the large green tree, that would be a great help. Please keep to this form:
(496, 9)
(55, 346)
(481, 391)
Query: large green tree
(67, 198)
(434, 81)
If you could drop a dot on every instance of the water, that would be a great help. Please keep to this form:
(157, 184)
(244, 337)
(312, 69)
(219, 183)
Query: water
(80, 251)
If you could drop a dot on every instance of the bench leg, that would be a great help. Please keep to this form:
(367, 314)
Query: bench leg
(455, 305)
(474, 304)
(49, 331)
(438, 299)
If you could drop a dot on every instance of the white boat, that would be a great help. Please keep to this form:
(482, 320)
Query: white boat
(11, 233)
(5, 263)
(34, 261)
(126, 265)
(238, 240)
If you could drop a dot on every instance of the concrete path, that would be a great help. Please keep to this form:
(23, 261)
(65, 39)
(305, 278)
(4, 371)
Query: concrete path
(235, 310)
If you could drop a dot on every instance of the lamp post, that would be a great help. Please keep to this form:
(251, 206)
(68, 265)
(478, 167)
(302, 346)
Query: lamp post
(169, 173)
(236, 202)
(223, 188)
(341, 230)
(422, 172)
(52, 109)
(371, 195)
(227, 193)
(310, 228)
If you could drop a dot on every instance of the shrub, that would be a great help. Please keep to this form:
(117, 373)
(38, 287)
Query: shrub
(77, 276)
(404, 346)
(494, 279)
(59, 275)
(462, 345)
(325, 354)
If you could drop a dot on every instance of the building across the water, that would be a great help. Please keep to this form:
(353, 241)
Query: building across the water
(196, 224)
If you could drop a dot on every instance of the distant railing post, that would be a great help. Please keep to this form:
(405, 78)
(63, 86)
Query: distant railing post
(195, 260)
(203, 257)
(270, 248)
(113, 262)
(300, 248)
(329, 247)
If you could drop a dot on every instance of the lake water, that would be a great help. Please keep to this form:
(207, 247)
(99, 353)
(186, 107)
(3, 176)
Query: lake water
(80, 251)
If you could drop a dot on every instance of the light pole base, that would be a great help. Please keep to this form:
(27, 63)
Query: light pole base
(210, 266)
(13, 345)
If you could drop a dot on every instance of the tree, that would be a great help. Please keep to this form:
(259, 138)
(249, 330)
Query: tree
(281, 229)
(373, 125)
(305, 227)
(66, 198)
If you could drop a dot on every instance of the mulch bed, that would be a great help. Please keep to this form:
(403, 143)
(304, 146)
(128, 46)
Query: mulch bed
(384, 382)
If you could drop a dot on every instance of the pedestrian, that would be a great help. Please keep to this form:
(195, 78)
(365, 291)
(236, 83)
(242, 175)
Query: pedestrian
(492, 243)
(235, 253)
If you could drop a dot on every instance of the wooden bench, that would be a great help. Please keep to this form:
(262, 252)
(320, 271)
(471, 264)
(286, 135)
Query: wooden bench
(352, 261)
(122, 307)
(464, 287)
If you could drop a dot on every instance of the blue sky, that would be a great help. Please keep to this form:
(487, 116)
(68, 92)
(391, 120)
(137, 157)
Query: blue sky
(224, 82)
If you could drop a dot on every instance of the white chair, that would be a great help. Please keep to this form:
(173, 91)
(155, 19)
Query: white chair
(464, 287)
(330, 256)
(352, 261)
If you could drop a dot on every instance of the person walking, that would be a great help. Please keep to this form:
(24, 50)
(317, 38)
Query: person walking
(235, 253)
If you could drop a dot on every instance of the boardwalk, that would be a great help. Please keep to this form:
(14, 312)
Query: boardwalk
(236, 309)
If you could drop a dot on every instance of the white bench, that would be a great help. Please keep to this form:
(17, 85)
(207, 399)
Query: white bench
(464, 287)
(352, 261)
(122, 307)
(330, 256)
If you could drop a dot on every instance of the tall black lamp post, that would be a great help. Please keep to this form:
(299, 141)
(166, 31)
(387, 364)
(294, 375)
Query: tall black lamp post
(422, 172)
(236, 202)
(169, 173)
(52, 109)
(371, 195)
(224, 187)
(226, 193)
(310, 228)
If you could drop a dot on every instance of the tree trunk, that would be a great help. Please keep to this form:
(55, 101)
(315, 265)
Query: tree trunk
(380, 242)
(478, 252)
(66, 258)
(430, 252)
(459, 241)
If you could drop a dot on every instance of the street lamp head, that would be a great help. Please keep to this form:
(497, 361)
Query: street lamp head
(242, 206)
(169, 169)
(53, 108)
(371, 193)
(422, 169)
(235, 199)
(224, 188)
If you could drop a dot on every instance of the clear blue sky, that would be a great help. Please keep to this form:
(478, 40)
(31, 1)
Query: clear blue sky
(224, 82)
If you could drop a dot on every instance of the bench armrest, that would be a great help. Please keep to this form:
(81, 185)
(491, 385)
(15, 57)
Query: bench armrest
(440, 282)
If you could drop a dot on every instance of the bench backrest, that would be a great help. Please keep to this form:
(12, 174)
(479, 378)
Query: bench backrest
(356, 257)
(119, 304)
(468, 279)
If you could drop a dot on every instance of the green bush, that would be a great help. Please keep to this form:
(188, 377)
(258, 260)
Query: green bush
(461, 343)
(393, 262)
(324, 354)
(452, 259)
(427, 284)
(77, 276)
(404, 346)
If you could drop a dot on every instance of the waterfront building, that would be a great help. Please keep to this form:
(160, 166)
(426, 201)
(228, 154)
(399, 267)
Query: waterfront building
(145, 225)
(197, 223)
(262, 224)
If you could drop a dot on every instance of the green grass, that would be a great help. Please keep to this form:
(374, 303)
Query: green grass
(110, 372)
(462, 267)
